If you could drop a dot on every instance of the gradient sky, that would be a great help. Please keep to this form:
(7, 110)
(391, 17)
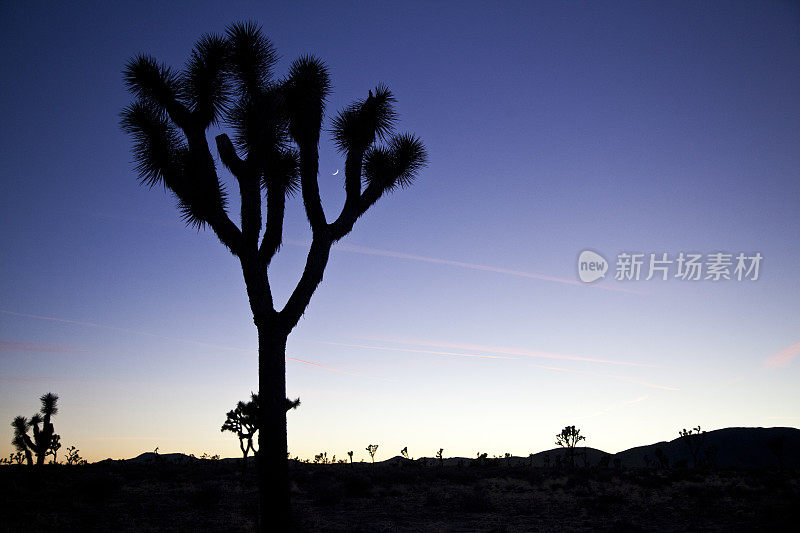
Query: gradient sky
(450, 317)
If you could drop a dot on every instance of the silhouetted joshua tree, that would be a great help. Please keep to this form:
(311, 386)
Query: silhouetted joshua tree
(276, 126)
(404, 452)
(44, 437)
(73, 457)
(243, 421)
(569, 438)
(440, 456)
(350, 454)
(371, 449)
(693, 440)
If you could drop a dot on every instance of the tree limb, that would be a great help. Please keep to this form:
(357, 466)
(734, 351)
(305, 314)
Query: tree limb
(309, 168)
(352, 186)
(312, 276)
(273, 234)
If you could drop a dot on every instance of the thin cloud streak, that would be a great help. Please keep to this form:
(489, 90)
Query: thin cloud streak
(471, 266)
(33, 379)
(36, 347)
(504, 350)
(783, 357)
(448, 354)
(628, 379)
(337, 369)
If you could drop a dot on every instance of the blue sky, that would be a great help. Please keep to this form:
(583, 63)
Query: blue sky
(551, 128)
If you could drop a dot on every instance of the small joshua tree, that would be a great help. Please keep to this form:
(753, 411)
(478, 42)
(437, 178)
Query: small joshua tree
(508, 458)
(350, 454)
(440, 456)
(16, 458)
(43, 433)
(73, 457)
(243, 421)
(371, 449)
(404, 452)
(569, 438)
(693, 440)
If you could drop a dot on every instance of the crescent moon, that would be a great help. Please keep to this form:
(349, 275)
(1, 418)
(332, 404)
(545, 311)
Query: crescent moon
(337, 171)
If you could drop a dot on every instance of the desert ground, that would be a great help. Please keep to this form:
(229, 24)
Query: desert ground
(400, 495)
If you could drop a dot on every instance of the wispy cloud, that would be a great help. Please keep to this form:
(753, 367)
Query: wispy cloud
(411, 350)
(339, 370)
(35, 347)
(783, 357)
(31, 379)
(461, 264)
(628, 379)
(505, 351)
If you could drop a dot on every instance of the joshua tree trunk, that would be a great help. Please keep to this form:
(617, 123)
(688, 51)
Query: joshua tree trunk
(273, 468)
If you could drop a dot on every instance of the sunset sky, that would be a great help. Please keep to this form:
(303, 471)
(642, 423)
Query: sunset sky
(452, 316)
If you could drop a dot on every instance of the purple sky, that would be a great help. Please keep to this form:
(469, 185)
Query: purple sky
(551, 128)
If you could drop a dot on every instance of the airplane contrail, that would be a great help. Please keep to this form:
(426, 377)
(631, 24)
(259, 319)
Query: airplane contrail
(783, 357)
(504, 350)
(472, 266)
(454, 354)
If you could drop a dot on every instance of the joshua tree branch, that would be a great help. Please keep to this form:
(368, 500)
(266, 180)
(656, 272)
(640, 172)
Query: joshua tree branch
(352, 185)
(178, 113)
(227, 232)
(248, 188)
(309, 167)
(273, 234)
(312, 276)
(228, 156)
